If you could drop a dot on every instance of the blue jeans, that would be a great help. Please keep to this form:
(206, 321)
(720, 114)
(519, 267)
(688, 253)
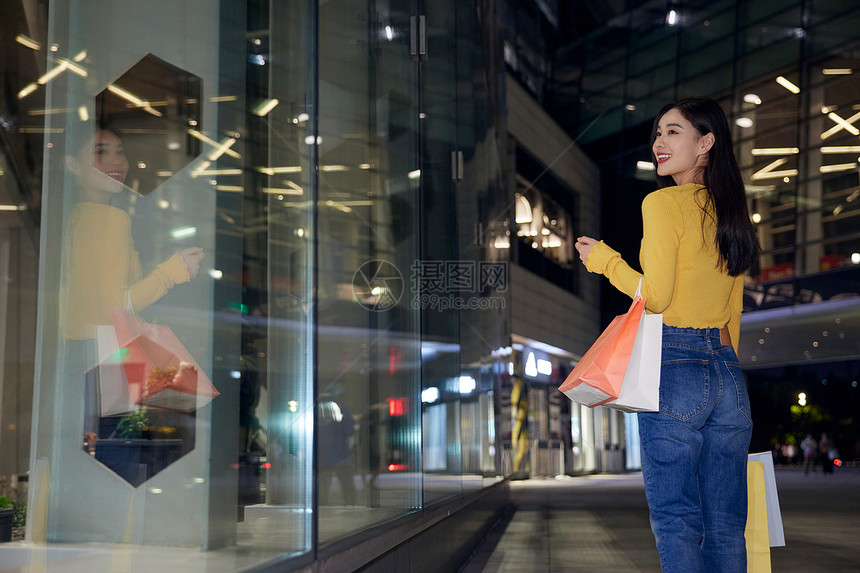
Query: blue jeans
(694, 455)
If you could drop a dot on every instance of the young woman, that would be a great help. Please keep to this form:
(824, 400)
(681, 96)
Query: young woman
(697, 242)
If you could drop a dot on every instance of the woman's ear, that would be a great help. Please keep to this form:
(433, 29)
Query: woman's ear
(73, 165)
(706, 142)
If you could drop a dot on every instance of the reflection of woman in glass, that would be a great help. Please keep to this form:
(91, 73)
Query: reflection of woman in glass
(102, 268)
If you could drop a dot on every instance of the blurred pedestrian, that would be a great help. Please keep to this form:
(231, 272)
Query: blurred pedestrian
(825, 447)
(810, 451)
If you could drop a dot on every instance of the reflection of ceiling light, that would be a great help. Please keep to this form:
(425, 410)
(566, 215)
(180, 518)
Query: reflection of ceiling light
(130, 97)
(29, 42)
(838, 167)
(219, 99)
(310, 140)
(523, 210)
(364, 166)
(841, 149)
(430, 395)
(769, 173)
(672, 18)
(230, 188)
(265, 107)
(630, 107)
(334, 168)
(855, 258)
(775, 151)
(414, 174)
(788, 85)
(645, 165)
(279, 170)
(27, 90)
(841, 124)
(752, 98)
(744, 122)
(12, 208)
(756, 217)
(224, 148)
(389, 33)
(837, 71)
(281, 191)
(53, 73)
(182, 232)
(83, 113)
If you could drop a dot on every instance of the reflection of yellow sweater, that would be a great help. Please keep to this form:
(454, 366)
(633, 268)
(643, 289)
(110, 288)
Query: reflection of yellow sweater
(103, 271)
(679, 259)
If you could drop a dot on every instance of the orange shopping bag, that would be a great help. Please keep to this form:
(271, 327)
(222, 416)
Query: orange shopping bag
(598, 375)
(161, 372)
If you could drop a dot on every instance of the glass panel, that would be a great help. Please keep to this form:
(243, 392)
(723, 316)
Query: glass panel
(712, 28)
(130, 364)
(755, 11)
(368, 414)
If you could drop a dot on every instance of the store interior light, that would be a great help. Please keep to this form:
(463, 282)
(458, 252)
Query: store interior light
(265, 107)
(836, 168)
(769, 173)
(776, 151)
(781, 80)
(744, 122)
(841, 149)
(837, 71)
(756, 217)
(846, 124)
(752, 98)
(855, 258)
(645, 166)
(672, 18)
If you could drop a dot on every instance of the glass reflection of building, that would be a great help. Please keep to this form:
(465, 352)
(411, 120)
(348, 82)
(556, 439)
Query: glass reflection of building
(387, 194)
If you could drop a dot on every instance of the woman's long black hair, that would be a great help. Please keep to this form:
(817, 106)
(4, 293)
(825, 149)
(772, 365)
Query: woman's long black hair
(736, 236)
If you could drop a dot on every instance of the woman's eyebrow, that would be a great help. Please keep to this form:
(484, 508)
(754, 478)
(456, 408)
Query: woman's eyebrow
(671, 125)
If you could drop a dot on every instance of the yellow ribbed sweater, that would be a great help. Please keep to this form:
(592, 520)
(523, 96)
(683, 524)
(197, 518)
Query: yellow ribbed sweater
(103, 271)
(679, 260)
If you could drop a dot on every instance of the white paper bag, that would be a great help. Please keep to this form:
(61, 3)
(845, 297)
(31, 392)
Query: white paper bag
(114, 393)
(640, 391)
(774, 515)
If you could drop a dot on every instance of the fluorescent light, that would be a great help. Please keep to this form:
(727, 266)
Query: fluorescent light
(769, 173)
(219, 99)
(53, 73)
(837, 71)
(756, 217)
(841, 149)
(776, 151)
(281, 191)
(12, 208)
(200, 172)
(752, 98)
(645, 165)
(230, 188)
(265, 107)
(744, 122)
(845, 124)
(216, 274)
(27, 41)
(27, 90)
(430, 395)
(838, 167)
(334, 168)
(414, 174)
(182, 232)
(220, 148)
(364, 166)
(788, 85)
(83, 113)
(80, 56)
(672, 18)
(278, 170)
(130, 97)
(467, 384)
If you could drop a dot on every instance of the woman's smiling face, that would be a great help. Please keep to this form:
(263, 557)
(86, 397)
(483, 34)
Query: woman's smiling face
(681, 151)
(109, 155)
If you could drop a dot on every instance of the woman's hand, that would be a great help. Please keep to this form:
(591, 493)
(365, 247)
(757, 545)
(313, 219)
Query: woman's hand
(192, 257)
(584, 246)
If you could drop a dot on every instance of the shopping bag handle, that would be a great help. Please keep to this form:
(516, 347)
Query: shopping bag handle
(639, 289)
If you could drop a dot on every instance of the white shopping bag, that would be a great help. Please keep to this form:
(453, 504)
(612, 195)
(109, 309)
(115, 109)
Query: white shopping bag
(114, 392)
(640, 390)
(774, 515)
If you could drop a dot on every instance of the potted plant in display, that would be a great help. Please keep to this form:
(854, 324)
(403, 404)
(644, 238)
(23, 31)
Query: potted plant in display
(7, 516)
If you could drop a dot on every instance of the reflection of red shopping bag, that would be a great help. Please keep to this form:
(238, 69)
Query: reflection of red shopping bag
(160, 371)
(598, 376)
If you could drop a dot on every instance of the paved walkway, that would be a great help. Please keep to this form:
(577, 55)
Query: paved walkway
(600, 524)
